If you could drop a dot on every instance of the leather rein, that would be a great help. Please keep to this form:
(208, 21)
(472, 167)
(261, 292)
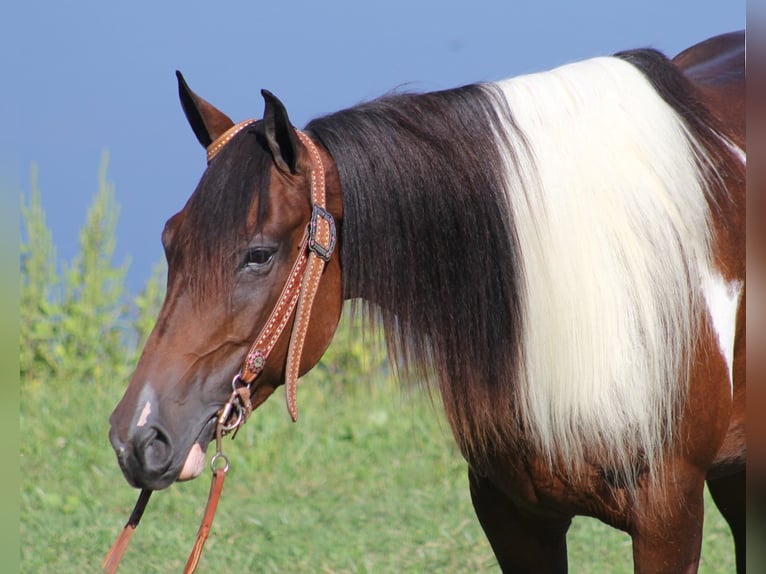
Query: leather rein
(297, 296)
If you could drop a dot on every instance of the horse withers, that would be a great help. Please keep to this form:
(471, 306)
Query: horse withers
(560, 254)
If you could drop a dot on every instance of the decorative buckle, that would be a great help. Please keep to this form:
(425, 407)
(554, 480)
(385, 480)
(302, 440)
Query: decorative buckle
(323, 251)
(255, 362)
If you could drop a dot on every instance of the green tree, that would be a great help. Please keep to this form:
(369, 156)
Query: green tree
(147, 305)
(94, 313)
(74, 325)
(38, 293)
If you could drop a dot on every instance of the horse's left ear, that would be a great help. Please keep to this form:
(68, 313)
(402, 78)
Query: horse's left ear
(280, 134)
(206, 120)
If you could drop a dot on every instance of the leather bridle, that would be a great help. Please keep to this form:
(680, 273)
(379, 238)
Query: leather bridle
(298, 293)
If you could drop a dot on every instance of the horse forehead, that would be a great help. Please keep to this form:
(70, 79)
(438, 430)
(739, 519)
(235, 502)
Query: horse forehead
(289, 201)
(171, 225)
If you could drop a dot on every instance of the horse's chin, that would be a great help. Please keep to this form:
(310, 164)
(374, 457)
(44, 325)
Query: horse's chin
(194, 463)
(195, 459)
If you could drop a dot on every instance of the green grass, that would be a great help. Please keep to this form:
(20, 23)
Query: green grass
(366, 481)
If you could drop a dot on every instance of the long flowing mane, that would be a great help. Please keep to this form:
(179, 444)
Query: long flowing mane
(536, 246)
(428, 237)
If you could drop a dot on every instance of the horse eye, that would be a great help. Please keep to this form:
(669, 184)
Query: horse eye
(258, 257)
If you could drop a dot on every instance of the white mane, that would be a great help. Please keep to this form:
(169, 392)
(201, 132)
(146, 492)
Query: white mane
(611, 218)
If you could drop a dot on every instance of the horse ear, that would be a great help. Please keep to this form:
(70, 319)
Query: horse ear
(206, 121)
(280, 134)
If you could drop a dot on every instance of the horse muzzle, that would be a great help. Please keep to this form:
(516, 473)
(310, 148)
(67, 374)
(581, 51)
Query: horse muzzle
(150, 454)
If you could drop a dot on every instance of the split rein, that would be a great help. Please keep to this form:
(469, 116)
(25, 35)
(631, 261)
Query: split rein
(297, 295)
(114, 556)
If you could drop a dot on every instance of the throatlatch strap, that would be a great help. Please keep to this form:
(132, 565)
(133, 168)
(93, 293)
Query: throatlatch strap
(321, 245)
(299, 290)
(300, 328)
(255, 361)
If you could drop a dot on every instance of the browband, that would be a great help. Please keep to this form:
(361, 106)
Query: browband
(225, 138)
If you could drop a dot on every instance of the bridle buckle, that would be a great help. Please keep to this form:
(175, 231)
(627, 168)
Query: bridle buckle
(323, 251)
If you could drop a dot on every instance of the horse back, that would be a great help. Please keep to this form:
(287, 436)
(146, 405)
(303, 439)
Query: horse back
(717, 68)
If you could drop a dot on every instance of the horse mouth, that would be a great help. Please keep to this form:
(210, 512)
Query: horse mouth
(194, 463)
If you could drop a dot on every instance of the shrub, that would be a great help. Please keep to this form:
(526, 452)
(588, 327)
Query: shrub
(76, 320)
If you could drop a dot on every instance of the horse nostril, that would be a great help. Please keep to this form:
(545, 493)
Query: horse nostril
(154, 450)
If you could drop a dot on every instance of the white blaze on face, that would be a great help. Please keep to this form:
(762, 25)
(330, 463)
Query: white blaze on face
(147, 410)
(194, 463)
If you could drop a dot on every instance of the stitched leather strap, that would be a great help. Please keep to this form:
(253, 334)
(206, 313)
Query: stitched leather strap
(299, 291)
(216, 486)
(255, 361)
(300, 328)
(321, 232)
(225, 138)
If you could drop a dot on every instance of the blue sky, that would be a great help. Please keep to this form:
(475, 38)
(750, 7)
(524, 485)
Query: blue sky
(81, 77)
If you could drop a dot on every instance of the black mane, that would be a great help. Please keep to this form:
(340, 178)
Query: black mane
(428, 241)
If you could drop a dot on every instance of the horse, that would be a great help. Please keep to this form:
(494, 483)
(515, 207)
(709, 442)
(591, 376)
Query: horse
(560, 255)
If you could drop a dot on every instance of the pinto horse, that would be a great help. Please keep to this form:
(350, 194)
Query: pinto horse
(560, 254)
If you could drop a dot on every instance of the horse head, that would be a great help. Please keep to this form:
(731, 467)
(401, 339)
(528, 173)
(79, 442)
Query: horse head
(231, 251)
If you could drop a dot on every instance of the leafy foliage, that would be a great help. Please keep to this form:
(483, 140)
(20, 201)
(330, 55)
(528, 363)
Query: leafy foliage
(356, 356)
(39, 280)
(147, 305)
(76, 321)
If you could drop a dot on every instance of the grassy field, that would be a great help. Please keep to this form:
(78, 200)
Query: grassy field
(366, 481)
